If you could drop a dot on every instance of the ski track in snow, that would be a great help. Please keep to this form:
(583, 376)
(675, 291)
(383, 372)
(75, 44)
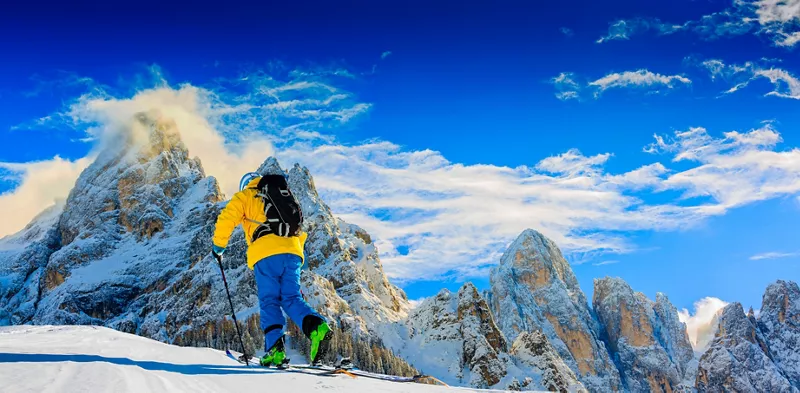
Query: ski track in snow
(98, 359)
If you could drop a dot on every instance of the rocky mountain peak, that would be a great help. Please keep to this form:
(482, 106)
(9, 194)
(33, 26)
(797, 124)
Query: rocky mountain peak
(133, 185)
(739, 358)
(649, 343)
(779, 321)
(158, 134)
(534, 289)
(462, 323)
(540, 261)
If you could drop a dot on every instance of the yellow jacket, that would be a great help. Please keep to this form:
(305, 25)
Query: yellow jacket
(245, 206)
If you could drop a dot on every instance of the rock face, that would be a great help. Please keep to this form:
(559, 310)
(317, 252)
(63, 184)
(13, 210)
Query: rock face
(650, 345)
(130, 250)
(535, 351)
(535, 289)
(739, 358)
(779, 322)
(22, 258)
(456, 335)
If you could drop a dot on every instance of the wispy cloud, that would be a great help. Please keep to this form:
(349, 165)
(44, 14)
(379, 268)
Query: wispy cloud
(567, 32)
(604, 263)
(777, 20)
(39, 185)
(734, 170)
(568, 87)
(60, 81)
(780, 19)
(573, 163)
(785, 84)
(638, 79)
(623, 29)
(386, 54)
(774, 255)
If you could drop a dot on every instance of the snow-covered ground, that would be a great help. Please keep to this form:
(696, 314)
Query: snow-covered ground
(97, 359)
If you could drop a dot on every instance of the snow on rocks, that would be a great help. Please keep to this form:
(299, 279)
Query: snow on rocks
(650, 345)
(779, 321)
(532, 351)
(739, 358)
(534, 289)
(456, 336)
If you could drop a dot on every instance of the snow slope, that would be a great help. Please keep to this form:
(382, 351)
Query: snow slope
(99, 359)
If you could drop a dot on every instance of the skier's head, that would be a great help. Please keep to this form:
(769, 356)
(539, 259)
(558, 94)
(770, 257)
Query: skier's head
(246, 179)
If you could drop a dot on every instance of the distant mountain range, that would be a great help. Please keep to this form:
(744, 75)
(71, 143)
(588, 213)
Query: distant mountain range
(129, 249)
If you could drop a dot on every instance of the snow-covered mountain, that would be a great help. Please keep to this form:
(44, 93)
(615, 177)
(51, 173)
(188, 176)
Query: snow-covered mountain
(534, 289)
(752, 354)
(456, 337)
(130, 250)
(648, 342)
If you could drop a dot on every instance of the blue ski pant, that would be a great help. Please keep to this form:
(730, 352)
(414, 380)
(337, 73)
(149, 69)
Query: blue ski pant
(278, 282)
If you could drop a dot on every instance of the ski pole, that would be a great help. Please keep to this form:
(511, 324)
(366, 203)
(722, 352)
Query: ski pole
(233, 313)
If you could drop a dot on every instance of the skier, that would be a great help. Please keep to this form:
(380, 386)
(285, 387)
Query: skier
(271, 219)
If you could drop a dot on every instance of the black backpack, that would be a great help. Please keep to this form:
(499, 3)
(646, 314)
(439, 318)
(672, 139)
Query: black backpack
(284, 216)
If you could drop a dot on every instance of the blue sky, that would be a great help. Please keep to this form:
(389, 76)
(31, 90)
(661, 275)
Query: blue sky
(518, 93)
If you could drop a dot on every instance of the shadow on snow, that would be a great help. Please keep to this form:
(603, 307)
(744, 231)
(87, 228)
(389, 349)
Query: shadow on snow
(188, 369)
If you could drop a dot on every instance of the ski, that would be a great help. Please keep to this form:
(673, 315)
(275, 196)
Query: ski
(345, 364)
(300, 368)
(351, 372)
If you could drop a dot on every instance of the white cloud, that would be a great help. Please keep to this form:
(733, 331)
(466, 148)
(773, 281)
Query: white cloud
(773, 255)
(573, 163)
(702, 325)
(567, 31)
(734, 170)
(604, 263)
(639, 79)
(386, 54)
(623, 29)
(785, 85)
(777, 20)
(566, 86)
(41, 184)
(780, 19)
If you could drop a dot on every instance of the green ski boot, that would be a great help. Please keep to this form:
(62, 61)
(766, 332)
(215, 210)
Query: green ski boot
(276, 356)
(320, 340)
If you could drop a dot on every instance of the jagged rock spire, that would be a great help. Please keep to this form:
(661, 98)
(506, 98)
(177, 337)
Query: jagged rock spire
(534, 289)
(739, 358)
(647, 340)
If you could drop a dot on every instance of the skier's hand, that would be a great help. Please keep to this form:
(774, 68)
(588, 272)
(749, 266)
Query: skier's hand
(217, 252)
